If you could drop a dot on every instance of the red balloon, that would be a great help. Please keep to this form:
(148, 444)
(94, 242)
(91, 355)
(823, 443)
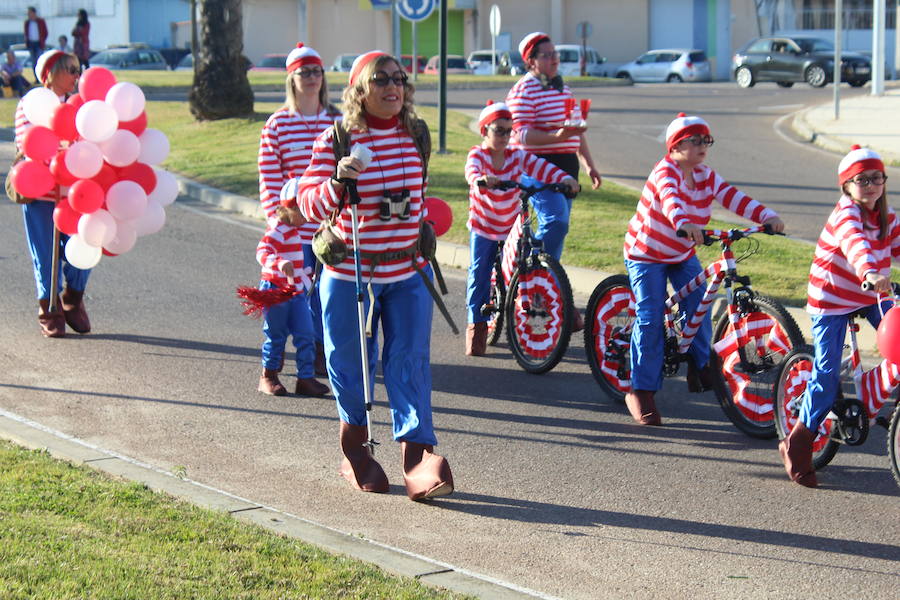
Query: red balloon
(438, 213)
(32, 179)
(60, 172)
(86, 196)
(40, 143)
(106, 177)
(136, 125)
(95, 82)
(75, 100)
(888, 336)
(141, 173)
(63, 122)
(108, 253)
(66, 218)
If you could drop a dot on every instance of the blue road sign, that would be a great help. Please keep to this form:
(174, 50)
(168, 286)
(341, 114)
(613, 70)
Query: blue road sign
(416, 10)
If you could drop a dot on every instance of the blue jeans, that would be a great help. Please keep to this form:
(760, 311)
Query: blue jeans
(404, 310)
(648, 282)
(315, 303)
(39, 233)
(552, 210)
(288, 319)
(482, 254)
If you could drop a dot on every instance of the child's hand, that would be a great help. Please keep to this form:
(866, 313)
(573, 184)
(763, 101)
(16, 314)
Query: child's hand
(573, 185)
(490, 181)
(880, 283)
(694, 233)
(287, 268)
(776, 224)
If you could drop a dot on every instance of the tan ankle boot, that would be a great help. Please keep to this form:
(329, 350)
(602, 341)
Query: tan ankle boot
(642, 406)
(269, 384)
(73, 309)
(53, 324)
(311, 387)
(796, 452)
(476, 339)
(426, 474)
(358, 467)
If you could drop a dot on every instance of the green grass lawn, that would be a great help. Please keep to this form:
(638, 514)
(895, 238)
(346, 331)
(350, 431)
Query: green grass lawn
(71, 532)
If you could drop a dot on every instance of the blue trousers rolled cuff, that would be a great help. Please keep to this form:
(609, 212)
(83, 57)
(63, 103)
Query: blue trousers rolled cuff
(288, 319)
(39, 234)
(315, 303)
(482, 255)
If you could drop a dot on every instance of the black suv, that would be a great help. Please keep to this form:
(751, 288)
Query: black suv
(786, 60)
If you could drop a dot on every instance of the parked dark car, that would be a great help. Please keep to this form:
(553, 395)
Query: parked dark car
(142, 59)
(787, 60)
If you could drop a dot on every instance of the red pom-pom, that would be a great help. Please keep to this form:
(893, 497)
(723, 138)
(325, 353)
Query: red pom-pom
(255, 300)
(855, 147)
(680, 115)
(299, 44)
(489, 102)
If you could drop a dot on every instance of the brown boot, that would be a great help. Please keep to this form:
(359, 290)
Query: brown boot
(269, 384)
(577, 321)
(796, 452)
(311, 387)
(358, 467)
(642, 407)
(320, 366)
(73, 309)
(53, 324)
(476, 339)
(426, 474)
(699, 380)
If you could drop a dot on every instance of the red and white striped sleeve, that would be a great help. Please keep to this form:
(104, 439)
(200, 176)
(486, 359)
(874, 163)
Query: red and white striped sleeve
(280, 244)
(271, 176)
(317, 198)
(475, 165)
(738, 202)
(540, 169)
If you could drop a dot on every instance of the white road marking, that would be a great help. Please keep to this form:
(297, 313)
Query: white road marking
(781, 107)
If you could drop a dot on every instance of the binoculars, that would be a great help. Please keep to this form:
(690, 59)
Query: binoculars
(394, 204)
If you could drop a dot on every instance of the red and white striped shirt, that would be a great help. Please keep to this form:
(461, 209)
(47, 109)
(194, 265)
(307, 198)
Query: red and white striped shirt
(533, 107)
(395, 166)
(285, 147)
(667, 204)
(281, 243)
(493, 212)
(22, 125)
(848, 248)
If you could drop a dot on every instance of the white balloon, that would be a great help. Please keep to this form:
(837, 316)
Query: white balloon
(166, 189)
(84, 159)
(97, 228)
(154, 147)
(152, 220)
(38, 105)
(96, 121)
(126, 200)
(121, 149)
(127, 100)
(81, 255)
(124, 240)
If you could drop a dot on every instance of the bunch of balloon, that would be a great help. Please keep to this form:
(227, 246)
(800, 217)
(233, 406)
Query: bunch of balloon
(97, 149)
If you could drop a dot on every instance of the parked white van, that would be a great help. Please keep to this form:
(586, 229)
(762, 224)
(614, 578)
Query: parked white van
(570, 61)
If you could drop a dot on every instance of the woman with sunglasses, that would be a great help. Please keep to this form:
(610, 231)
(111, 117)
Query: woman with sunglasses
(285, 147)
(677, 196)
(59, 72)
(493, 212)
(378, 114)
(859, 240)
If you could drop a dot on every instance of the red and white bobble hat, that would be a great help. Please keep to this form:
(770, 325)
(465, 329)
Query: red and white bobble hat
(857, 161)
(530, 41)
(684, 127)
(361, 61)
(45, 63)
(492, 112)
(302, 56)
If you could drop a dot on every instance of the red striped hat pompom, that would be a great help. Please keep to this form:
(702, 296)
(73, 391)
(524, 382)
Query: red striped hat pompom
(301, 56)
(858, 160)
(492, 112)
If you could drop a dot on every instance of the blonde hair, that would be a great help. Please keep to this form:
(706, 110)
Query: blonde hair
(63, 62)
(284, 214)
(353, 97)
(291, 93)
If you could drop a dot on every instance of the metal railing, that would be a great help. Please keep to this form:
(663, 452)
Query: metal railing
(854, 18)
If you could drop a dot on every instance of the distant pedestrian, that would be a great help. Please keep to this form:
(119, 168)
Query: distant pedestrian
(11, 72)
(81, 39)
(35, 36)
(63, 45)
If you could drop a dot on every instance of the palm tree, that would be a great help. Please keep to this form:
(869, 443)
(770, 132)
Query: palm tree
(220, 89)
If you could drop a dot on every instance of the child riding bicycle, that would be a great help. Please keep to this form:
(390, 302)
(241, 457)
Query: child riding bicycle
(677, 196)
(856, 246)
(493, 212)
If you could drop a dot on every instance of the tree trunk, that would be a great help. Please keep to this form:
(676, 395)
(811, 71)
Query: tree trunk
(220, 89)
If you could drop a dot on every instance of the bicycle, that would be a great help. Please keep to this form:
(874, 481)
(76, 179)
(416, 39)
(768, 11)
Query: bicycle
(851, 417)
(748, 343)
(530, 291)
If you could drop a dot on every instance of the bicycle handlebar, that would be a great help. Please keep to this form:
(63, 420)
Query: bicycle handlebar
(710, 236)
(508, 184)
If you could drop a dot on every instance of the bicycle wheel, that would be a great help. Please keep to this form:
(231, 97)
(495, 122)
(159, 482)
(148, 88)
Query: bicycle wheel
(496, 303)
(607, 335)
(539, 313)
(893, 443)
(793, 376)
(745, 357)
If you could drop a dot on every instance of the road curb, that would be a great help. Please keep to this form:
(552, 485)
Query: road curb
(801, 127)
(432, 573)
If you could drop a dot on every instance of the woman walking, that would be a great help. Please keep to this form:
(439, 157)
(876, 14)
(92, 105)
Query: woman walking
(81, 39)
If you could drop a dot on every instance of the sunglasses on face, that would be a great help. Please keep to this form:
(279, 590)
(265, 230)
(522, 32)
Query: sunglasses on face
(381, 79)
(547, 55)
(500, 131)
(307, 73)
(701, 140)
(73, 70)
(863, 181)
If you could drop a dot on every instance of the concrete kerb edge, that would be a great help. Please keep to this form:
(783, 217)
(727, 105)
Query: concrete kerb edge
(30, 434)
(802, 128)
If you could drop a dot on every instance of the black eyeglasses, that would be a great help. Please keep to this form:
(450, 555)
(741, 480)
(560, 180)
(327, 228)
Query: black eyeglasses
(500, 131)
(550, 55)
(307, 73)
(863, 181)
(381, 79)
(701, 140)
(74, 70)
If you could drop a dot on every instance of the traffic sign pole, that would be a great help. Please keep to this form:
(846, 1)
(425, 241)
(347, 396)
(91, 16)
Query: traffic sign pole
(495, 31)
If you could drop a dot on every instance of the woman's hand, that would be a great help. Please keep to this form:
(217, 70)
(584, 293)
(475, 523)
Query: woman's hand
(776, 224)
(564, 133)
(880, 284)
(287, 268)
(596, 180)
(348, 168)
(694, 233)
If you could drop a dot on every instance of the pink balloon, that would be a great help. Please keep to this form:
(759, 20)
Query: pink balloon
(123, 241)
(127, 100)
(95, 83)
(152, 219)
(135, 126)
(126, 200)
(58, 169)
(97, 229)
(40, 143)
(121, 149)
(141, 173)
(75, 100)
(166, 190)
(65, 218)
(84, 159)
(154, 146)
(86, 196)
(96, 121)
(32, 179)
(63, 122)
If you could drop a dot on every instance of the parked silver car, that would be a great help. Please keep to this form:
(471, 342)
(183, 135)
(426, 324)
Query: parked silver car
(671, 65)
